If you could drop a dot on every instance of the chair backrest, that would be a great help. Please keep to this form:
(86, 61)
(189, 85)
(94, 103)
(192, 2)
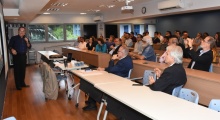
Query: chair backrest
(211, 68)
(129, 73)
(69, 57)
(215, 104)
(148, 73)
(176, 90)
(189, 95)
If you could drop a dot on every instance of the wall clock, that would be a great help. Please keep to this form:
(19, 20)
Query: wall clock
(143, 10)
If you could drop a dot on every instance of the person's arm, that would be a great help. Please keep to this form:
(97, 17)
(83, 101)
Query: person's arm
(97, 48)
(27, 42)
(11, 46)
(163, 81)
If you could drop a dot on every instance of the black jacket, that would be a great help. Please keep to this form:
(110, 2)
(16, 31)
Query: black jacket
(171, 77)
(202, 62)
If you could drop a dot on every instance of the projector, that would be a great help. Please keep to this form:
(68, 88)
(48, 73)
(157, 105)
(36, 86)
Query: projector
(129, 8)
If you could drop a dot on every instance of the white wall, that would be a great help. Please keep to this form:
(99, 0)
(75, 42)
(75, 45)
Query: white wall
(152, 10)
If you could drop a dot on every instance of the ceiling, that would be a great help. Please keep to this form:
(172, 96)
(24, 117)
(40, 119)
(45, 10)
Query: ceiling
(29, 9)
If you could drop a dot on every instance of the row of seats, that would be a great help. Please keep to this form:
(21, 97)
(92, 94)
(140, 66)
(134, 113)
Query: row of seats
(193, 96)
(183, 93)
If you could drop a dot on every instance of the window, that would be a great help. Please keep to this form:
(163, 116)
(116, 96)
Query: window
(55, 32)
(73, 31)
(36, 32)
(125, 28)
(138, 29)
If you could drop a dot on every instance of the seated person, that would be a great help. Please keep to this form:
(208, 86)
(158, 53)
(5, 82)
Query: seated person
(202, 58)
(164, 44)
(138, 45)
(101, 46)
(156, 39)
(147, 53)
(110, 42)
(128, 40)
(82, 44)
(91, 45)
(121, 68)
(174, 75)
(115, 47)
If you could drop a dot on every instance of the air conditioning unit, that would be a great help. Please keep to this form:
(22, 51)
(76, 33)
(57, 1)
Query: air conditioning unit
(98, 18)
(169, 4)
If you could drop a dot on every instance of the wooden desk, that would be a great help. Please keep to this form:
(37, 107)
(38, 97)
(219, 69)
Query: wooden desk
(97, 59)
(156, 46)
(154, 104)
(206, 84)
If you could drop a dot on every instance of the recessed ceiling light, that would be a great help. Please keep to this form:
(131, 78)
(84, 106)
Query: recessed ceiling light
(106, 6)
(46, 13)
(59, 4)
(91, 10)
(110, 6)
(83, 13)
(52, 9)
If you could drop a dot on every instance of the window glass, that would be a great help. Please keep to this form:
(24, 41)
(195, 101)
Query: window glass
(55, 32)
(73, 31)
(36, 32)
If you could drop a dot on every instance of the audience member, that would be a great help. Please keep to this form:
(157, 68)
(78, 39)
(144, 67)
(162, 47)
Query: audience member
(134, 39)
(178, 35)
(198, 39)
(76, 43)
(160, 37)
(202, 58)
(101, 46)
(82, 44)
(147, 53)
(115, 47)
(217, 39)
(91, 45)
(128, 41)
(156, 39)
(121, 68)
(110, 42)
(147, 38)
(168, 34)
(138, 46)
(164, 44)
(205, 34)
(173, 76)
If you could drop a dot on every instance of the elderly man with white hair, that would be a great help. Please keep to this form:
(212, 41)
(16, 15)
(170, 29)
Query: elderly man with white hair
(174, 75)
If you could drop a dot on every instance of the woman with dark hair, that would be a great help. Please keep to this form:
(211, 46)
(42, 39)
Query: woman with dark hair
(101, 47)
(168, 34)
(205, 34)
(198, 39)
(91, 45)
(217, 39)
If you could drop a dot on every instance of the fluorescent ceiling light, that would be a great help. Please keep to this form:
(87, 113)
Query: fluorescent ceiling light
(83, 13)
(46, 13)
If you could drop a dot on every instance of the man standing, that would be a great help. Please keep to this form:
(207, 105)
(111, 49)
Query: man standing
(121, 68)
(18, 46)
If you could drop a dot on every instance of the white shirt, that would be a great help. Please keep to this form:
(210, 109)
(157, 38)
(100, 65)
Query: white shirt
(113, 49)
(82, 45)
(148, 39)
(128, 42)
(138, 47)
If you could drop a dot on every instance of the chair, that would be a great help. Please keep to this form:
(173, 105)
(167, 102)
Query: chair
(145, 78)
(215, 104)
(176, 90)
(189, 95)
(129, 73)
(211, 68)
(10, 118)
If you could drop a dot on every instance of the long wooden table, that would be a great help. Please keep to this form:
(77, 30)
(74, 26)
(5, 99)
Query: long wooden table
(97, 59)
(205, 83)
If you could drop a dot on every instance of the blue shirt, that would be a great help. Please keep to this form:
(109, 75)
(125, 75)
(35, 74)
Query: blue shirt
(101, 48)
(19, 44)
(149, 53)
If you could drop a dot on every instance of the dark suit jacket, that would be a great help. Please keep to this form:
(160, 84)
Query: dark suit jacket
(121, 68)
(202, 62)
(171, 77)
(116, 50)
